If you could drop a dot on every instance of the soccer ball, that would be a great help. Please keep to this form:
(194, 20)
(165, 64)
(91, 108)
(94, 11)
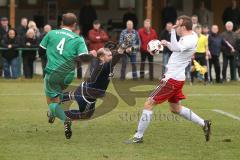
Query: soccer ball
(154, 46)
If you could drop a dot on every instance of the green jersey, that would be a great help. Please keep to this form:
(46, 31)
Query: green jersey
(62, 47)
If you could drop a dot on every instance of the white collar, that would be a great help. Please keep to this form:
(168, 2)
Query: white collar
(67, 29)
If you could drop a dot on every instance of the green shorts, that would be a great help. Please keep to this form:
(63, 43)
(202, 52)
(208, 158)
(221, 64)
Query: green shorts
(54, 84)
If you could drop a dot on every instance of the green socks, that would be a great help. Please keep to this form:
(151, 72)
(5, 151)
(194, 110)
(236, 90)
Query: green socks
(57, 111)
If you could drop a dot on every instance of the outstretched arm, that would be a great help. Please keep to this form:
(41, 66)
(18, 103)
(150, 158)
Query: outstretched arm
(116, 57)
(86, 58)
(116, 53)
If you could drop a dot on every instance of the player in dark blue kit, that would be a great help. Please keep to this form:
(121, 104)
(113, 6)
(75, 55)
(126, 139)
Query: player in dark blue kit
(96, 85)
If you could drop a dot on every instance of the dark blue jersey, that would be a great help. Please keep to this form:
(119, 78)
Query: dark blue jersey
(94, 87)
(102, 72)
(97, 84)
(100, 76)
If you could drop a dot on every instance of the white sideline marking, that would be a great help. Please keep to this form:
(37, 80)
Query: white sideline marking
(226, 114)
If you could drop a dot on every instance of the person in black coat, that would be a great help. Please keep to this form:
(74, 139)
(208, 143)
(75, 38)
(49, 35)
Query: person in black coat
(42, 52)
(29, 41)
(166, 35)
(22, 29)
(215, 45)
(169, 14)
(232, 14)
(229, 53)
(238, 51)
(10, 56)
(86, 17)
(4, 27)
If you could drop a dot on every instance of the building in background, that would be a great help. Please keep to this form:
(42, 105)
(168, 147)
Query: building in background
(110, 12)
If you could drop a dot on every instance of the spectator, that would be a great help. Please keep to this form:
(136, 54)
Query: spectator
(238, 51)
(22, 29)
(30, 41)
(215, 43)
(229, 54)
(11, 60)
(238, 62)
(97, 37)
(130, 15)
(188, 71)
(79, 64)
(194, 21)
(166, 35)
(32, 25)
(202, 53)
(169, 14)
(232, 14)
(42, 52)
(203, 14)
(146, 34)
(205, 30)
(86, 17)
(4, 28)
(131, 51)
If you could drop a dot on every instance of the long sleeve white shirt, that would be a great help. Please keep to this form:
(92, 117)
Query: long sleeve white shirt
(183, 51)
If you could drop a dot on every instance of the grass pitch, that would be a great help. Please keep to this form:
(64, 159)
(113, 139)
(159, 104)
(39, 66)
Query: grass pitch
(26, 135)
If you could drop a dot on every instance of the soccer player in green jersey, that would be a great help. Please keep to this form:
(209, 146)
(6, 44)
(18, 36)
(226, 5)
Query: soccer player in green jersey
(62, 48)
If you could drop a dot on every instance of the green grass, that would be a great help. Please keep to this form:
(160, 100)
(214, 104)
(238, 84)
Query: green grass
(26, 135)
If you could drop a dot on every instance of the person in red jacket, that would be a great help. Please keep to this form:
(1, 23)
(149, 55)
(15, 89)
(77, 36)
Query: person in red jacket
(96, 39)
(146, 34)
(97, 36)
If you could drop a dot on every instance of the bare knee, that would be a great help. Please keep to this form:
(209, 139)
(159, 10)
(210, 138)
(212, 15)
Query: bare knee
(149, 104)
(175, 107)
(53, 100)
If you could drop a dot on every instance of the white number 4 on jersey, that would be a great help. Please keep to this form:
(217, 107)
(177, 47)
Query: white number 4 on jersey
(60, 46)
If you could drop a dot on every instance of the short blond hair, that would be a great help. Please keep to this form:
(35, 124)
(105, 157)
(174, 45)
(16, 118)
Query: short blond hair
(102, 51)
(32, 24)
(29, 31)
